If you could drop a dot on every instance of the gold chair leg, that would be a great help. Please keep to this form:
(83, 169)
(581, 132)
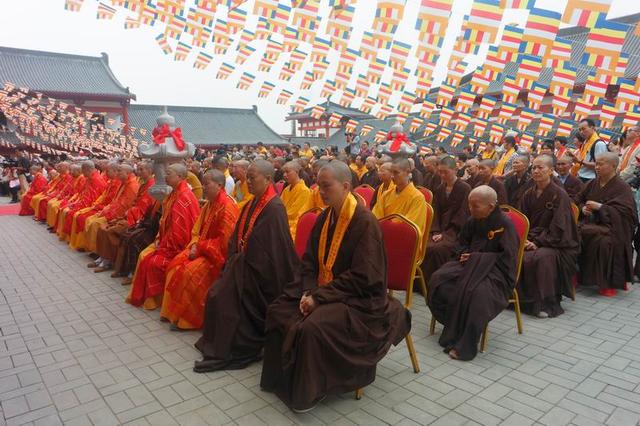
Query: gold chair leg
(483, 339)
(359, 393)
(412, 353)
(516, 303)
(432, 326)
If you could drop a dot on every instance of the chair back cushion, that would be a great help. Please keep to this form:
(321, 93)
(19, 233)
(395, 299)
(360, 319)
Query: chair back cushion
(401, 239)
(279, 186)
(428, 195)
(521, 223)
(303, 230)
(366, 192)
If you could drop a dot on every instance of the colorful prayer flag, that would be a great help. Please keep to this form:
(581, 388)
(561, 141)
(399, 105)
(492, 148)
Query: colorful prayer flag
(604, 43)
(585, 13)
(105, 12)
(246, 80)
(266, 89)
(182, 51)
(162, 41)
(202, 61)
(284, 97)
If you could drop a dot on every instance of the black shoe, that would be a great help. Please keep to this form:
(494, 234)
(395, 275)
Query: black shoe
(209, 365)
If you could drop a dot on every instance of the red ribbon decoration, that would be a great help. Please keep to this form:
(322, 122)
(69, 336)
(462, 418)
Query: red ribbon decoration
(160, 134)
(397, 141)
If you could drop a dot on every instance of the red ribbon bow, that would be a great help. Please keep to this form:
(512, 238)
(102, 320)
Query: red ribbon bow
(160, 134)
(397, 141)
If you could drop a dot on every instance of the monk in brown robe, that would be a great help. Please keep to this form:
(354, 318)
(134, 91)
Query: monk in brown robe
(519, 180)
(191, 273)
(551, 255)
(430, 178)
(261, 260)
(180, 209)
(471, 172)
(468, 292)
(570, 183)
(486, 177)
(450, 214)
(334, 323)
(608, 221)
(110, 234)
(38, 185)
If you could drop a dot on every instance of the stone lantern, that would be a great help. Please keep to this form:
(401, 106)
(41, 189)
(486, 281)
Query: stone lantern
(398, 143)
(167, 148)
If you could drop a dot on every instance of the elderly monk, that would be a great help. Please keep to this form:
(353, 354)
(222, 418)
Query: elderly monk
(468, 292)
(569, 182)
(471, 171)
(180, 210)
(38, 185)
(486, 177)
(609, 219)
(517, 183)
(69, 193)
(94, 186)
(39, 202)
(371, 177)
(386, 183)
(315, 200)
(79, 219)
(334, 323)
(241, 190)
(450, 214)
(191, 273)
(431, 178)
(110, 234)
(54, 180)
(295, 196)
(116, 209)
(405, 199)
(260, 261)
(552, 244)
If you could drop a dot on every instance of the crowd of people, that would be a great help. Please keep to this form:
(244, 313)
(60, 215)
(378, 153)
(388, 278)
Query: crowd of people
(218, 253)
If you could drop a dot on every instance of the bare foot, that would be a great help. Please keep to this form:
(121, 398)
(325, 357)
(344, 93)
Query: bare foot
(453, 354)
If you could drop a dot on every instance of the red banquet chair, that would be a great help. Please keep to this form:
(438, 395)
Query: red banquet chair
(402, 244)
(521, 223)
(366, 192)
(279, 186)
(428, 195)
(303, 230)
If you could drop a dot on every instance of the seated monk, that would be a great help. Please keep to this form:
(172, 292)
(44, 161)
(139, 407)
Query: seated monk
(260, 261)
(519, 180)
(53, 182)
(191, 273)
(194, 184)
(94, 186)
(69, 194)
(405, 199)
(386, 183)
(570, 183)
(334, 323)
(38, 185)
(450, 214)
(552, 244)
(80, 218)
(315, 200)
(487, 177)
(110, 234)
(608, 221)
(430, 179)
(39, 201)
(113, 211)
(180, 210)
(471, 172)
(241, 190)
(468, 292)
(295, 195)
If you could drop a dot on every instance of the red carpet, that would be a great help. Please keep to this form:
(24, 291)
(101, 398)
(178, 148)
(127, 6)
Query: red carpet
(9, 209)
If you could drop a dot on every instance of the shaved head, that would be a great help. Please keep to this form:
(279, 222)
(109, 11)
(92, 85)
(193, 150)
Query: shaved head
(127, 168)
(293, 165)
(547, 160)
(448, 161)
(215, 175)
(485, 194)
(610, 157)
(339, 171)
(88, 165)
(264, 168)
(242, 163)
(179, 169)
(488, 163)
(402, 164)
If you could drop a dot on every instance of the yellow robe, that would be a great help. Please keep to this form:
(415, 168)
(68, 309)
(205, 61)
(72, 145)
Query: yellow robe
(295, 199)
(195, 184)
(359, 171)
(241, 194)
(315, 201)
(409, 203)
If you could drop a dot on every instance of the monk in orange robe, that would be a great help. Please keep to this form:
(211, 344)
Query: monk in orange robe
(68, 194)
(39, 202)
(110, 235)
(38, 185)
(179, 213)
(93, 187)
(129, 186)
(54, 180)
(191, 273)
(79, 219)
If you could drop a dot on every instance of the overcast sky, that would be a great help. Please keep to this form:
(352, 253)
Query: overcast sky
(156, 79)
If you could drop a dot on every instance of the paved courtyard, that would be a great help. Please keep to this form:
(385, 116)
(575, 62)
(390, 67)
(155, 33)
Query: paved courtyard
(73, 352)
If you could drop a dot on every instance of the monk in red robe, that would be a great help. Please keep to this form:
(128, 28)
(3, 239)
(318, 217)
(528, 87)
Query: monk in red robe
(53, 191)
(179, 213)
(191, 273)
(38, 185)
(109, 235)
(54, 181)
(93, 187)
(79, 219)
